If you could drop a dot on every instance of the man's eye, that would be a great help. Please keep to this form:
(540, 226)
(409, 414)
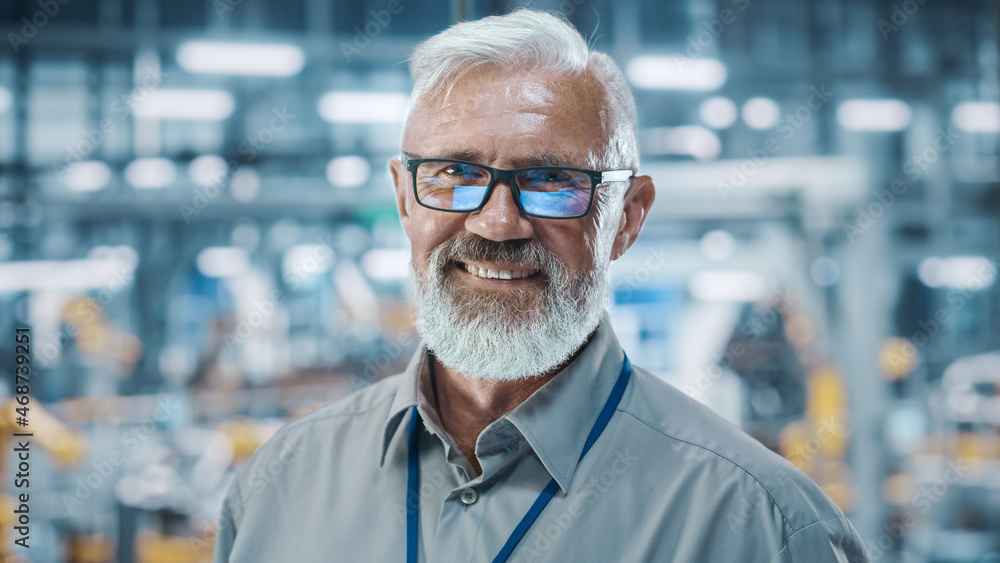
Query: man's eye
(552, 177)
(458, 170)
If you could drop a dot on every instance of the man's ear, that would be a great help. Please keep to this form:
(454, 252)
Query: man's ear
(638, 200)
(401, 183)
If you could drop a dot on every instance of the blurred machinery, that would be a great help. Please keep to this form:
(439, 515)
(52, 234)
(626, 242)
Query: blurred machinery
(65, 446)
(197, 225)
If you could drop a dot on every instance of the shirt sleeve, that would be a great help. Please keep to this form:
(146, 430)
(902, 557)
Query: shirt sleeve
(827, 541)
(225, 535)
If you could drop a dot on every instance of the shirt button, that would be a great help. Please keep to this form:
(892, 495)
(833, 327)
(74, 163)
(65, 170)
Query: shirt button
(469, 496)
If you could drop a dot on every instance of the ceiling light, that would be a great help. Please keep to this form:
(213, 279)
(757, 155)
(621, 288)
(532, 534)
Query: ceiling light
(211, 105)
(874, 115)
(240, 58)
(676, 73)
(87, 176)
(208, 170)
(348, 171)
(727, 286)
(150, 173)
(222, 261)
(386, 263)
(363, 107)
(977, 117)
(718, 112)
(688, 140)
(5, 99)
(761, 113)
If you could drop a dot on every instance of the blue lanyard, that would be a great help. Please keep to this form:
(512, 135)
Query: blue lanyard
(413, 476)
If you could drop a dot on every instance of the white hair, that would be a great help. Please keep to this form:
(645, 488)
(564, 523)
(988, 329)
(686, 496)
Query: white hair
(526, 41)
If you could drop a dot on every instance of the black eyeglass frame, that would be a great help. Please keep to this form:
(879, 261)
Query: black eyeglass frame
(596, 179)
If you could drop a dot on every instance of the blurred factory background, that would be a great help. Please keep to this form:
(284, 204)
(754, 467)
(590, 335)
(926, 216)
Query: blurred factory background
(197, 225)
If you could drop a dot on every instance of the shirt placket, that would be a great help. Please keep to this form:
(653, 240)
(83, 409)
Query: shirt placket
(464, 510)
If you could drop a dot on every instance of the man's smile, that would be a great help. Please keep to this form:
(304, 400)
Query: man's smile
(485, 270)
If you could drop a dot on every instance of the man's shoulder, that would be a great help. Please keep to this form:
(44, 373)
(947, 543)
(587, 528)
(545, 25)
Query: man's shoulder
(371, 400)
(695, 434)
(368, 405)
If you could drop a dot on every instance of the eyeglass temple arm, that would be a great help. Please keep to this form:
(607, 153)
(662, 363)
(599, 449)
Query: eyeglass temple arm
(616, 176)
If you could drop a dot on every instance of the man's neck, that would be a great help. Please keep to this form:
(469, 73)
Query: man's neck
(467, 405)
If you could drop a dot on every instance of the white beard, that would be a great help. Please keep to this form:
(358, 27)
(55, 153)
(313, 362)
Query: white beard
(513, 335)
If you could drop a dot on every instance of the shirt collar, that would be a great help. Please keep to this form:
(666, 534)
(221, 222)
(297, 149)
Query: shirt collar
(407, 395)
(555, 420)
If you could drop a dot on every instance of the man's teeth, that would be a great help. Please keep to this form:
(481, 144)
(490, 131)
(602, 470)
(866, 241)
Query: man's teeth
(499, 274)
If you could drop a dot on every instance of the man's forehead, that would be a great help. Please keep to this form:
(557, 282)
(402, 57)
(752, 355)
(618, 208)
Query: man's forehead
(538, 88)
(565, 113)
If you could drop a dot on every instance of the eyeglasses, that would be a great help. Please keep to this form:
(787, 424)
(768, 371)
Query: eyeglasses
(549, 192)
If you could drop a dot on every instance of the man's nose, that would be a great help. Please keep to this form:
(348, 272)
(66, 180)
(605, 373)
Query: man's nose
(500, 219)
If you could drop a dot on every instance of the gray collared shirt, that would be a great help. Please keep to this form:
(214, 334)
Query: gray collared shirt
(668, 480)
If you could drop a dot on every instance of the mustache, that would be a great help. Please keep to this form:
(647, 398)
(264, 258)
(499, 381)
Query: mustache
(471, 248)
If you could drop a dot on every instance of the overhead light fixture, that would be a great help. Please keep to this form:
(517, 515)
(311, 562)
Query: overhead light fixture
(727, 286)
(363, 107)
(348, 171)
(254, 59)
(958, 272)
(208, 170)
(244, 185)
(386, 263)
(687, 140)
(210, 105)
(91, 273)
(874, 115)
(150, 173)
(5, 99)
(305, 261)
(87, 176)
(718, 112)
(977, 117)
(717, 245)
(676, 73)
(222, 261)
(760, 113)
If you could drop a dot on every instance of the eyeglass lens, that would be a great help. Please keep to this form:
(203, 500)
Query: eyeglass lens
(547, 192)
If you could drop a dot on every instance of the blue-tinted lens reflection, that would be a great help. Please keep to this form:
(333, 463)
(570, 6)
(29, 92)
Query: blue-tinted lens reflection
(567, 203)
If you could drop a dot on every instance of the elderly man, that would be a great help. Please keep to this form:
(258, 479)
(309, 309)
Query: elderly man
(519, 430)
